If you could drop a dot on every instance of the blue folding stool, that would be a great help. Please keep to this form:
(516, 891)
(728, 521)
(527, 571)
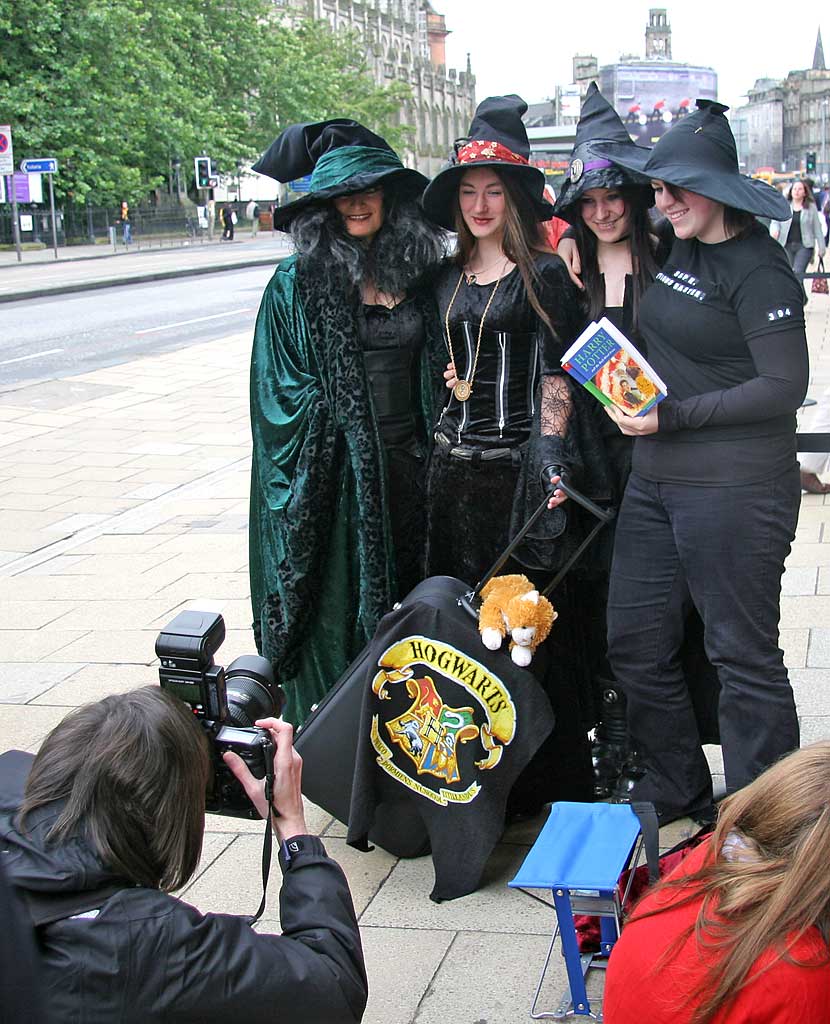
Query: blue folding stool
(579, 856)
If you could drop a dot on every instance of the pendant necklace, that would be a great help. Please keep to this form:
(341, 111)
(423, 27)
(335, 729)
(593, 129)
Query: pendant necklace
(472, 276)
(464, 388)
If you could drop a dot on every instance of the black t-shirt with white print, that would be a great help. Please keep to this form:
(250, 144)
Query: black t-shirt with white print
(724, 327)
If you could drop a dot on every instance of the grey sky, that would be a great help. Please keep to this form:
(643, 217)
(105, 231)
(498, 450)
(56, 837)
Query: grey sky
(526, 46)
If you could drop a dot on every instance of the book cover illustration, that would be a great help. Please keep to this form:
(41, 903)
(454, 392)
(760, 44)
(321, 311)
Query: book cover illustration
(608, 365)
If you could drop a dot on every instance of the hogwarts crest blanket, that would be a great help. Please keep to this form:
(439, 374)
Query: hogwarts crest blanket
(449, 725)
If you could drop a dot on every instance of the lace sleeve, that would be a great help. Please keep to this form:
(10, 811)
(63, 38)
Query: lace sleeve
(556, 405)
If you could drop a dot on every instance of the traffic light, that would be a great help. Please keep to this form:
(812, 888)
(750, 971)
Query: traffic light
(810, 163)
(204, 177)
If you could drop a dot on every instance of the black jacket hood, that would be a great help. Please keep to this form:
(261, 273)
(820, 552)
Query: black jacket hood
(29, 860)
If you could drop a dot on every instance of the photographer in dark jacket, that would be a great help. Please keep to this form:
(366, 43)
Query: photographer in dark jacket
(113, 810)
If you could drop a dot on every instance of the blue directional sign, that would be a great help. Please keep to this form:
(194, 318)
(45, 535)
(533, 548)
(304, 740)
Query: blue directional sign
(45, 165)
(300, 184)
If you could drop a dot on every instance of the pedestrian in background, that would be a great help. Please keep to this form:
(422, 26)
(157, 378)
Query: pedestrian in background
(803, 232)
(252, 212)
(227, 215)
(126, 226)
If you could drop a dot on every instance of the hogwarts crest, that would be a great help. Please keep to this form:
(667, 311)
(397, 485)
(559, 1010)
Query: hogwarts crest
(430, 733)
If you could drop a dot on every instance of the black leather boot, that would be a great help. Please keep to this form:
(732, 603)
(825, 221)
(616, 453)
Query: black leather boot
(616, 766)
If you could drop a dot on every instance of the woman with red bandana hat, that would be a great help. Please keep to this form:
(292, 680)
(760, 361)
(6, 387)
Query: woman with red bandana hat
(512, 421)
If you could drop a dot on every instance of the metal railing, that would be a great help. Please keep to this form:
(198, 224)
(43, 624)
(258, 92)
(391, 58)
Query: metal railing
(89, 225)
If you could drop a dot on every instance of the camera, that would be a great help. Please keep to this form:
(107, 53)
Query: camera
(226, 702)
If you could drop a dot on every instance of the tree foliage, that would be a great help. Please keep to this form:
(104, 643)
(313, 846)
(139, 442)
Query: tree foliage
(115, 89)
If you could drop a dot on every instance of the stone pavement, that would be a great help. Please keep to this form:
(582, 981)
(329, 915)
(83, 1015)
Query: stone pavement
(81, 267)
(123, 499)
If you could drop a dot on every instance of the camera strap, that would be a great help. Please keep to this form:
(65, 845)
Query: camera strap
(268, 841)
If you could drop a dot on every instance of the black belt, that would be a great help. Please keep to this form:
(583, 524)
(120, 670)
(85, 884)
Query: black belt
(463, 451)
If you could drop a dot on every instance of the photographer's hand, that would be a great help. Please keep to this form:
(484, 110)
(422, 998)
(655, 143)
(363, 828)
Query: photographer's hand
(288, 767)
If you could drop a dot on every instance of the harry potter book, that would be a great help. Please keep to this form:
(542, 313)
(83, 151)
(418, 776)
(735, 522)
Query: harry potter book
(608, 365)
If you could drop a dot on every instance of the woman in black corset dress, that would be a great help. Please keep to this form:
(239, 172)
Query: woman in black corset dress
(340, 405)
(511, 418)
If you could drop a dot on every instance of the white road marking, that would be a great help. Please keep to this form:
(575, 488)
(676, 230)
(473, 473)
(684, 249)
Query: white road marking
(197, 320)
(34, 355)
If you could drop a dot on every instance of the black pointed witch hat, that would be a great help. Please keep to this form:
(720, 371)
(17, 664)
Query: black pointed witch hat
(599, 123)
(498, 138)
(698, 154)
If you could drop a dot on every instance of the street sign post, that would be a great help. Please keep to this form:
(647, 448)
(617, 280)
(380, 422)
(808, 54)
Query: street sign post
(44, 165)
(300, 184)
(7, 167)
(6, 153)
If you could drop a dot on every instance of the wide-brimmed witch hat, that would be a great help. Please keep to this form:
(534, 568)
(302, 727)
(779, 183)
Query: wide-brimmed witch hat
(698, 153)
(498, 138)
(342, 156)
(599, 123)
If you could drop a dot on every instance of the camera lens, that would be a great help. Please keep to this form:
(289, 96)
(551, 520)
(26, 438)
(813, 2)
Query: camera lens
(252, 691)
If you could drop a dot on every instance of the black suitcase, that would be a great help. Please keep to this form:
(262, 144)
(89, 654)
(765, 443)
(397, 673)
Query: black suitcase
(327, 741)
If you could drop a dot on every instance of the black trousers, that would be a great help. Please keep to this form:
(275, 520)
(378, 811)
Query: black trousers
(721, 549)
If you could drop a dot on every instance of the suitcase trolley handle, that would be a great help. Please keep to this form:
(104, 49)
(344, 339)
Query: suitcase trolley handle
(469, 601)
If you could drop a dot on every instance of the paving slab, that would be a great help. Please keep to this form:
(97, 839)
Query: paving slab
(25, 681)
(23, 726)
(485, 980)
(90, 682)
(401, 965)
(818, 655)
(493, 908)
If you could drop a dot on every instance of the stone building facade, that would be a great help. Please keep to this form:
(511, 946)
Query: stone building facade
(784, 121)
(405, 41)
(758, 127)
(806, 120)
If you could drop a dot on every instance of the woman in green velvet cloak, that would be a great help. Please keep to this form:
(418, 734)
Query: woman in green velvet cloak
(346, 354)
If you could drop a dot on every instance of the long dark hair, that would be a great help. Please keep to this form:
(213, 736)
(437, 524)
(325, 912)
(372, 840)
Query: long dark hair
(641, 244)
(131, 771)
(522, 238)
(404, 250)
(809, 197)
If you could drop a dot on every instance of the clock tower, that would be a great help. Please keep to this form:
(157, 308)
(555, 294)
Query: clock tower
(658, 35)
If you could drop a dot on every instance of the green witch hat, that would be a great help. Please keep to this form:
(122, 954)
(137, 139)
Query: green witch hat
(342, 157)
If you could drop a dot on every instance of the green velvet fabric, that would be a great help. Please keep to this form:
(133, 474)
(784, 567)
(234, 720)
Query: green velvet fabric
(341, 165)
(321, 562)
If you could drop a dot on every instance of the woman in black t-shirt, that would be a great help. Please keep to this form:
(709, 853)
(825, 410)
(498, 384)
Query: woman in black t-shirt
(711, 505)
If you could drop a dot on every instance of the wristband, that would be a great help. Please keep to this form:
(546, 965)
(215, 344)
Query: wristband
(291, 848)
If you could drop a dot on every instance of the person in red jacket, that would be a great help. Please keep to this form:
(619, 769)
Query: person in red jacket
(740, 932)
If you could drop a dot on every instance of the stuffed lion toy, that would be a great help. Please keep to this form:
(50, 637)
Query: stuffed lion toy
(511, 606)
